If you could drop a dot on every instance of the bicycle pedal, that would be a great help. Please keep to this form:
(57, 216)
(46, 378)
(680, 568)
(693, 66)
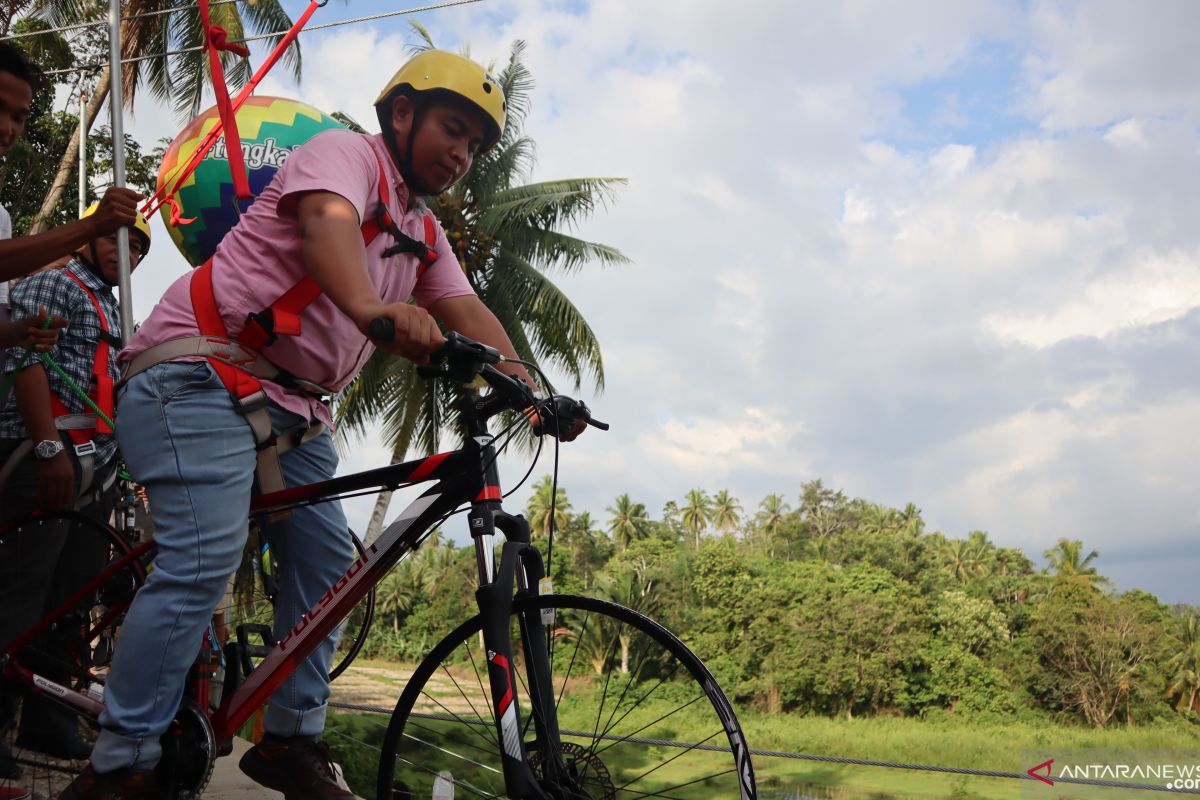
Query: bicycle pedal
(248, 650)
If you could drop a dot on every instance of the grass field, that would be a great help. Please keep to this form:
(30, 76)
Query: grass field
(1000, 745)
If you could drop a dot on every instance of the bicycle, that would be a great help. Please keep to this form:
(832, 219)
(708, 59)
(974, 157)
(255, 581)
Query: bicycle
(582, 698)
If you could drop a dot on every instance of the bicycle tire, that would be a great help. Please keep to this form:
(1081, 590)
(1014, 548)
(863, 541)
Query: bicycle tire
(77, 652)
(608, 738)
(256, 606)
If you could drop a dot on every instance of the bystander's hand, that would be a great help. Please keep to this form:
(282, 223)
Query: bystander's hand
(41, 336)
(56, 482)
(117, 208)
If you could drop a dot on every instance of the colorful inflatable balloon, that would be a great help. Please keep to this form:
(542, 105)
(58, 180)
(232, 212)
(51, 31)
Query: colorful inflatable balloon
(270, 128)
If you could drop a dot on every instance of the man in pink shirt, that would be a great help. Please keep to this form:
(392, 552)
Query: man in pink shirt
(187, 418)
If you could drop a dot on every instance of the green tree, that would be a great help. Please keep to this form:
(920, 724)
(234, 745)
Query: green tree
(509, 236)
(1068, 560)
(27, 170)
(1183, 669)
(1092, 650)
(726, 512)
(834, 640)
(962, 559)
(548, 508)
(627, 521)
(769, 520)
(697, 513)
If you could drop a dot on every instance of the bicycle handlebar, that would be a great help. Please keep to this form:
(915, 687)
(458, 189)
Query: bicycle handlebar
(461, 358)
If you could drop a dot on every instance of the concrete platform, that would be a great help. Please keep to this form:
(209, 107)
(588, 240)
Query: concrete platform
(228, 782)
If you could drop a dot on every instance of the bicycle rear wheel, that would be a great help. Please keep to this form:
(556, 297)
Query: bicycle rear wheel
(251, 601)
(76, 650)
(639, 714)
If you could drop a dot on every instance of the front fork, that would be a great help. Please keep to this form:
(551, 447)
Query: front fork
(521, 562)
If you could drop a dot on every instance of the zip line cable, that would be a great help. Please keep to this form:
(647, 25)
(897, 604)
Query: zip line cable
(260, 37)
(100, 24)
(859, 762)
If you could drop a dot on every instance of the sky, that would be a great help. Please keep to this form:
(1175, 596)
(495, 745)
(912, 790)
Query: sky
(944, 253)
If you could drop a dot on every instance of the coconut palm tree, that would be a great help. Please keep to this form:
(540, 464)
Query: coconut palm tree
(697, 513)
(548, 509)
(960, 558)
(508, 236)
(772, 510)
(627, 521)
(1068, 560)
(1183, 687)
(726, 511)
(163, 33)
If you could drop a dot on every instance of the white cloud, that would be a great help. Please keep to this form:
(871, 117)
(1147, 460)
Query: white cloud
(1164, 287)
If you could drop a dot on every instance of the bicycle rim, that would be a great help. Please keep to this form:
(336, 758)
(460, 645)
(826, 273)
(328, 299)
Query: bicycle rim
(77, 650)
(639, 714)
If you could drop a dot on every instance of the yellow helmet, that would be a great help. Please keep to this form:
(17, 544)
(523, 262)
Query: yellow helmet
(440, 71)
(139, 224)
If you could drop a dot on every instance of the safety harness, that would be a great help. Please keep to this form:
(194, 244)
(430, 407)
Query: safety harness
(82, 428)
(238, 362)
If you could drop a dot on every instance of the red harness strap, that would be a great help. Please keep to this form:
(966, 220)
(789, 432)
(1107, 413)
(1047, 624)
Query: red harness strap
(101, 390)
(215, 41)
(282, 318)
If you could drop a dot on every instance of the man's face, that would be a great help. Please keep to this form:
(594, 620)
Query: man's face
(106, 253)
(448, 138)
(16, 98)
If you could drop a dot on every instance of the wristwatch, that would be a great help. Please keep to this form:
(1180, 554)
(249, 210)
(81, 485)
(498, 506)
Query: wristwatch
(47, 449)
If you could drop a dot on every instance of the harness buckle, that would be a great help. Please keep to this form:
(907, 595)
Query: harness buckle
(264, 322)
(85, 449)
(250, 403)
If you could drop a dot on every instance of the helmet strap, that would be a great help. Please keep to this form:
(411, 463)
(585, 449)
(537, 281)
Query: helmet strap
(404, 161)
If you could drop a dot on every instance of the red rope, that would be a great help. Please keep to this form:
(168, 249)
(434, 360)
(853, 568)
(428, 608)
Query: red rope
(215, 42)
(167, 192)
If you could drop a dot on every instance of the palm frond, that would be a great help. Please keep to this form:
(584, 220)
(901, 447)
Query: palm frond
(426, 39)
(264, 16)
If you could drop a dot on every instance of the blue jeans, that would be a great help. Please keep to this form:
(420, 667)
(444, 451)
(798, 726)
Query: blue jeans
(183, 440)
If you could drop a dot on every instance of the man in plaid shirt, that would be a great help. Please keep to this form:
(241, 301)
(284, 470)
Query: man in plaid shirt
(47, 467)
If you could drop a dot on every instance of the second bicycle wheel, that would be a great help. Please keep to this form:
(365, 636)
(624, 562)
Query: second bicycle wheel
(251, 601)
(639, 714)
(47, 560)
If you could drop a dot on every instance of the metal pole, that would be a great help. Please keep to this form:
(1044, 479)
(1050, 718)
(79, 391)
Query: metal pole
(83, 99)
(116, 112)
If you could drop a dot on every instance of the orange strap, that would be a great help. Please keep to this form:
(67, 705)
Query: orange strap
(101, 390)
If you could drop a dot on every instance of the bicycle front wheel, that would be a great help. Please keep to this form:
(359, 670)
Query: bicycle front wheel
(639, 714)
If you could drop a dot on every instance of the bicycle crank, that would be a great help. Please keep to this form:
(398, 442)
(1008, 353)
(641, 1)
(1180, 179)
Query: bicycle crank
(189, 750)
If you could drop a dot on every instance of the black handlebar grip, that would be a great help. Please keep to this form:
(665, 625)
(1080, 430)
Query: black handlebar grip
(381, 329)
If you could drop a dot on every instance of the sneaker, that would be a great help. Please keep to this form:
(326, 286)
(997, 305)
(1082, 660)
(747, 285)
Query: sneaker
(299, 767)
(14, 793)
(124, 784)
